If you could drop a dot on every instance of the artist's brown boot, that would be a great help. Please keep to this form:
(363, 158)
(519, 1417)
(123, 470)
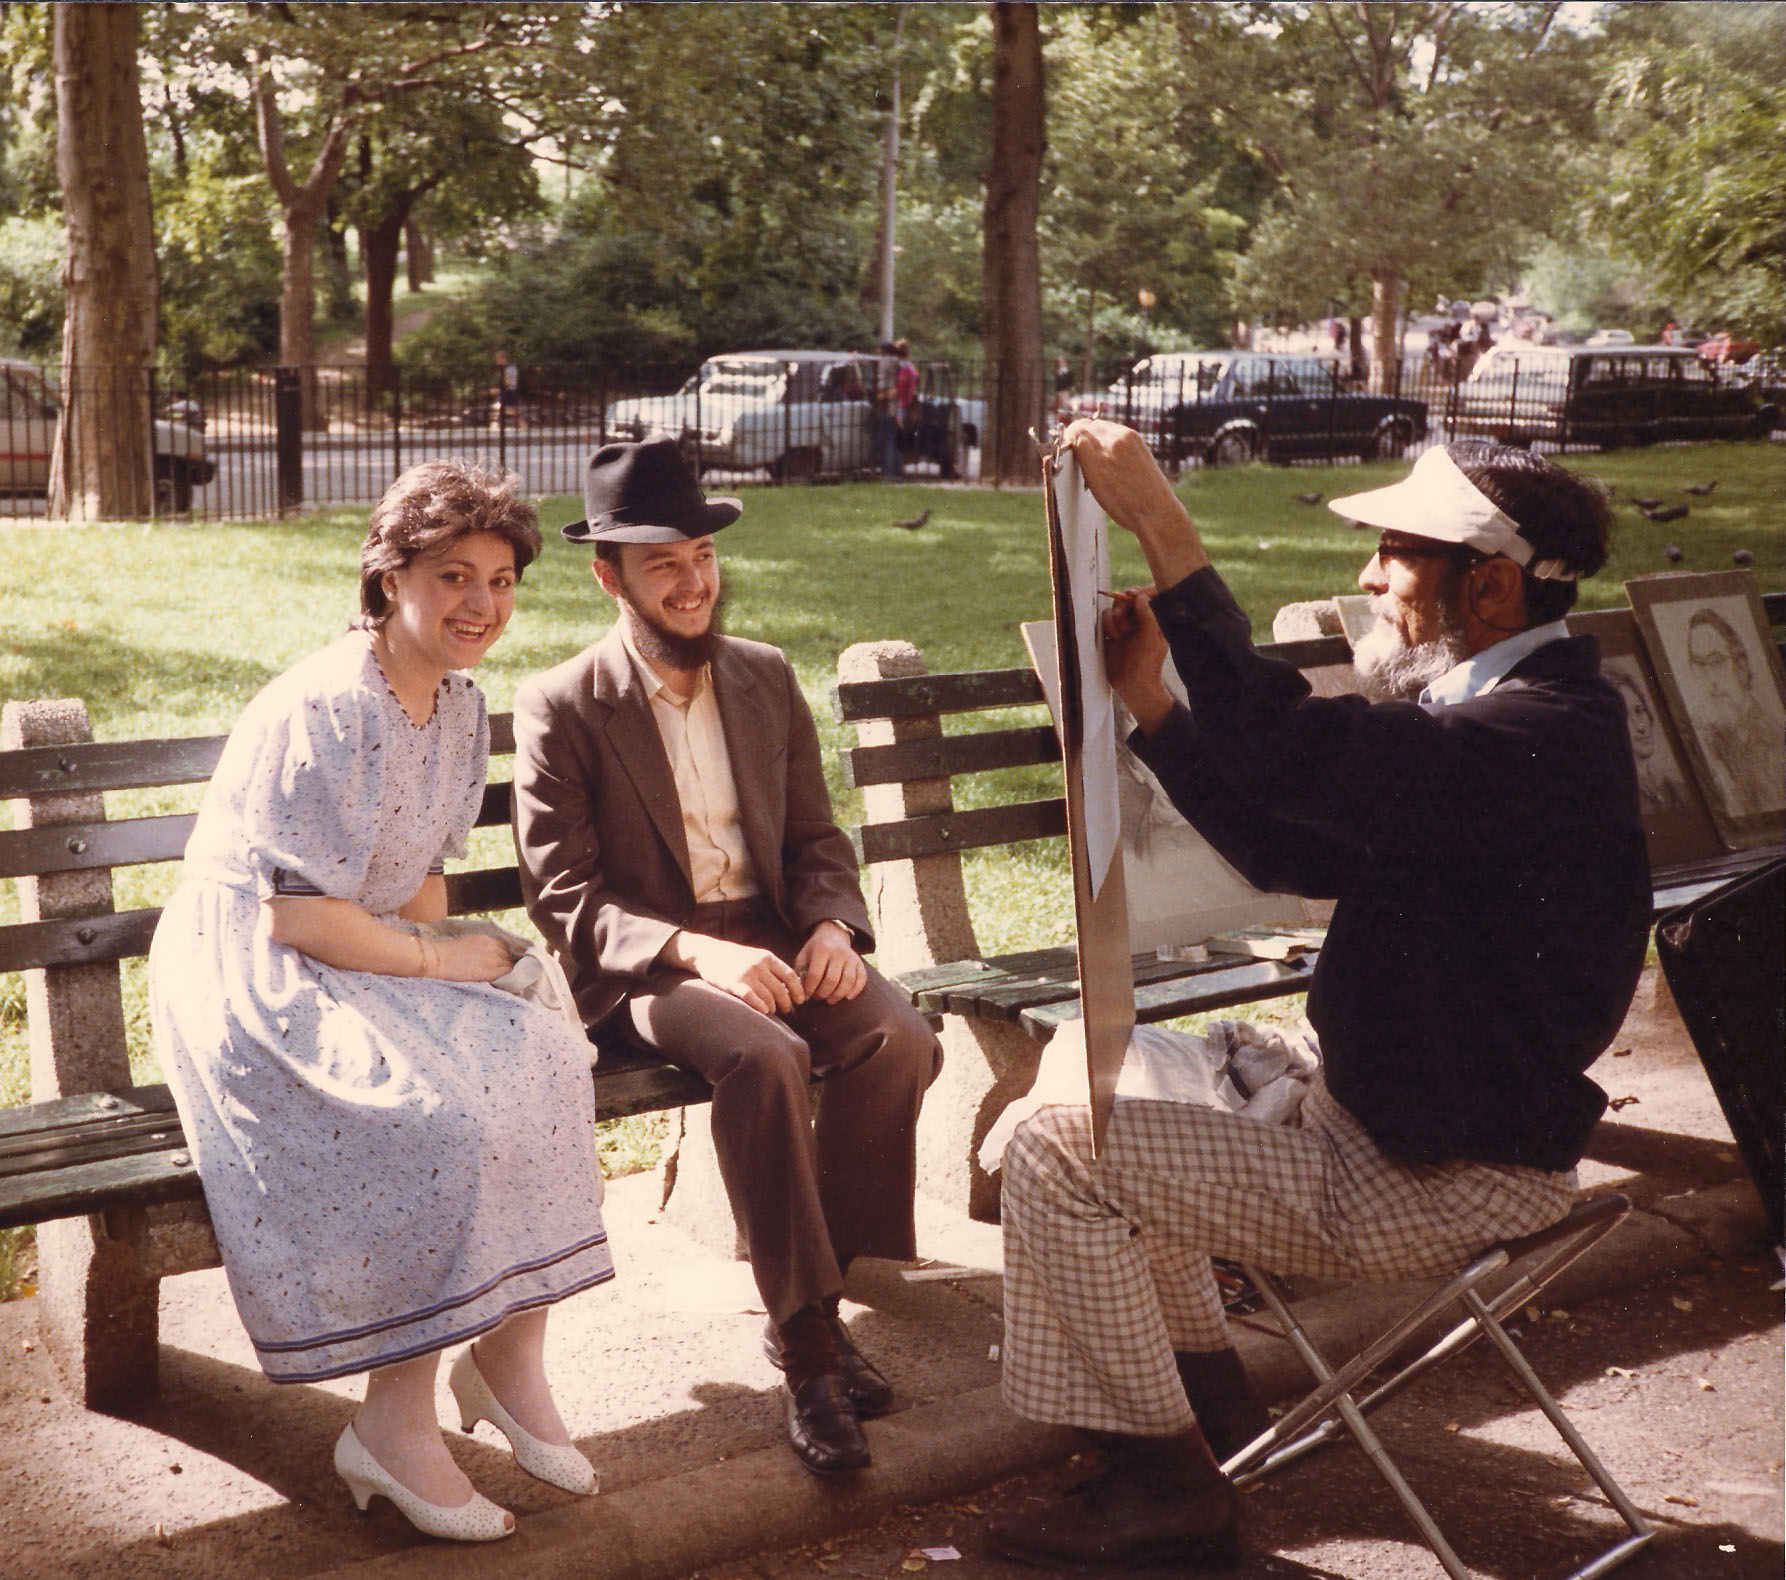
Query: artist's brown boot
(1163, 1501)
(1222, 1398)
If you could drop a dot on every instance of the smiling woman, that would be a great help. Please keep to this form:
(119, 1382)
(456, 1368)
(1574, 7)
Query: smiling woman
(397, 1154)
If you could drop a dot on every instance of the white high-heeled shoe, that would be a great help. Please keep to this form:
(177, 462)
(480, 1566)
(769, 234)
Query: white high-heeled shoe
(562, 1465)
(475, 1520)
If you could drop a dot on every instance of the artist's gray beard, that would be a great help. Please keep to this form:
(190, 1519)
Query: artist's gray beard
(1390, 669)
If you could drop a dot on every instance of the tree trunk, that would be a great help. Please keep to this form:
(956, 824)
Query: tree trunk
(337, 267)
(418, 252)
(1387, 289)
(301, 209)
(103, 464)
(1011, 275)
(379, 246)
(297, 308)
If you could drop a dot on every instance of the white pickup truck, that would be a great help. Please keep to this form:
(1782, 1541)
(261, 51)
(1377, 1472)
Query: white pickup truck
(800, 414)
(29, 408)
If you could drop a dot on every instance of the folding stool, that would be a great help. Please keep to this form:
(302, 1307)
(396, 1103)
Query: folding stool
(1319, 1417)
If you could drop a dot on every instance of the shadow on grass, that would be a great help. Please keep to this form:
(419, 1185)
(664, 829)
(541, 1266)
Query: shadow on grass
(107, 672)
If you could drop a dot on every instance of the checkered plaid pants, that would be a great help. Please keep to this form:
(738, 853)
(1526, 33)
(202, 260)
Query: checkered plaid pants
(1107, 1263)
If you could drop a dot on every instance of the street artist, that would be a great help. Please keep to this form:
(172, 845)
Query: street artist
(1475, 819)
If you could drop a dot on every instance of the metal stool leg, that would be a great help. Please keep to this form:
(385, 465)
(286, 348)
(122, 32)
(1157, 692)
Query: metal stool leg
(1640, 1528)
(1359, 1428)
(1288, 1439)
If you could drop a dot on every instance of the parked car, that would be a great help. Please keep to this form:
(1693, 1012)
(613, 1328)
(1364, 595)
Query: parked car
(1612, 337)
(801, 414)
(1226, 407)
(29, 410)
(1142, 394)
(1608, 396)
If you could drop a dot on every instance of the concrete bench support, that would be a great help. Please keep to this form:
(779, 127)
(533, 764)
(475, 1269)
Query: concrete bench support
(98, 1302)
(921, 919)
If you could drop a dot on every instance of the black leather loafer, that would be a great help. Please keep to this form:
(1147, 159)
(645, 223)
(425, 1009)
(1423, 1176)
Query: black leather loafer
(822, 1426)
(870, 1393)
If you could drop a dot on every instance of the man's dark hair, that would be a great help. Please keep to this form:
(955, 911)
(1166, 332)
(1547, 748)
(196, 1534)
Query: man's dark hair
(431, 506)
(1709, 619)
(1563, 516)
(608, 552)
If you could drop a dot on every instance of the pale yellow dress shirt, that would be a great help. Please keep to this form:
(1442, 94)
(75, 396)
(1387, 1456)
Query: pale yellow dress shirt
(695, 742)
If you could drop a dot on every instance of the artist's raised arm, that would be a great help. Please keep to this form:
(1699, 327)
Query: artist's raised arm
(1127, 482)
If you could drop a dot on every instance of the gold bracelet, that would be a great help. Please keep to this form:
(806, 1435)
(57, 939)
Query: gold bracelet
(421, 949)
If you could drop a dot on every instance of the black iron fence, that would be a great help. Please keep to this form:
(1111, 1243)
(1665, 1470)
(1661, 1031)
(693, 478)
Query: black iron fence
(264, 442)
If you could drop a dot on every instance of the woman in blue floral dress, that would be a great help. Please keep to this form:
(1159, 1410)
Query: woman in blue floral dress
(397, 1155)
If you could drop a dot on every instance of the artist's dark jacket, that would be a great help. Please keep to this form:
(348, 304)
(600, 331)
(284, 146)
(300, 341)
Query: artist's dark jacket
(1486, 858)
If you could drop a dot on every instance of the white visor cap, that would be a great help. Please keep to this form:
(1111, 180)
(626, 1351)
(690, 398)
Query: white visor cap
(1435, 500)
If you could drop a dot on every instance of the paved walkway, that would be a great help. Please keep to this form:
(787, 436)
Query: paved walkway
(661, 1378)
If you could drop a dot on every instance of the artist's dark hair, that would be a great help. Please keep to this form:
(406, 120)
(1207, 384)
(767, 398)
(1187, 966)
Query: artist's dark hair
(432, 505)
(1562, 515)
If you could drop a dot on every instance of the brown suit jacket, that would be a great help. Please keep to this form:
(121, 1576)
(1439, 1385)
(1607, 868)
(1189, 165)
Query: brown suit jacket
(598, 827)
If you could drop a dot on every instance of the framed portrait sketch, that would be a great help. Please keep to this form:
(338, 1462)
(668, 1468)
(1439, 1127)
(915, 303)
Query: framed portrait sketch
(1677, 823)
(1723, 685)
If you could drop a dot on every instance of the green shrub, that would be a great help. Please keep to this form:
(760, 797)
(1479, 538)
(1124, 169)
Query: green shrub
(219, 260)
(31, 309)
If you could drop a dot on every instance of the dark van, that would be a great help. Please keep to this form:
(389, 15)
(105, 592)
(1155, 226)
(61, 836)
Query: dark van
(1610, 397)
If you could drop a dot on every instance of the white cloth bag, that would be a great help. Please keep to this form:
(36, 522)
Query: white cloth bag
(1259, 1072)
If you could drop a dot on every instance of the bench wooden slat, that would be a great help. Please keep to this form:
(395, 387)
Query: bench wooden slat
(143, 765)
(77, 941)
(78, 847)
(108, 765)
(131, 1181)
(1315, 652)
(498, 799)
(1007, 998)
(83, 1109)
(487, 889)
(74, 1155)
(135, 841)
(66, 1146)
(948, 755)
(939, 832)
(1012, 995)
(907, 696)
(122, 935)
(1242, 984)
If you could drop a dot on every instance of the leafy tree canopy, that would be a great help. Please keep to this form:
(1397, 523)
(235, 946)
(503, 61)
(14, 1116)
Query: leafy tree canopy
(1409, 144)
(1694, 185)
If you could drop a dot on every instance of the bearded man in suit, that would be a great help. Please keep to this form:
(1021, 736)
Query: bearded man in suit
(677, 851)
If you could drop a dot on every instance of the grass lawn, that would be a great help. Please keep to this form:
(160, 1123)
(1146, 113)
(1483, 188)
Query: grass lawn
(169, 629)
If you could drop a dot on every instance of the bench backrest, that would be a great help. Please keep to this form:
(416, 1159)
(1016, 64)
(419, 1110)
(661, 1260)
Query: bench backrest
(909, 699)
(941, 757)
(100, 844)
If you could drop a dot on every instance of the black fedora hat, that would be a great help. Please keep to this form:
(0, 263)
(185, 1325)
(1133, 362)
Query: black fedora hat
(646, 493)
